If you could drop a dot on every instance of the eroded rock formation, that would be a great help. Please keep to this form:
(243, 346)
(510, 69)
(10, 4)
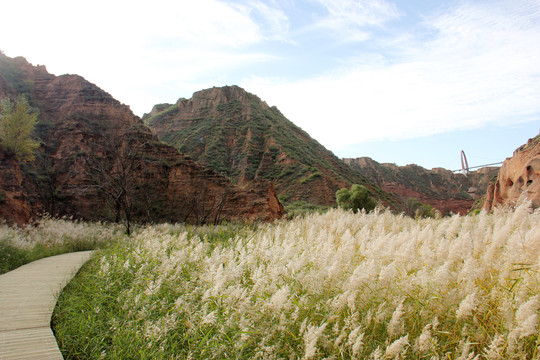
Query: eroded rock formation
(519, 178)
(238, 134)
(14, 206)
(88, 139)
(443, 189)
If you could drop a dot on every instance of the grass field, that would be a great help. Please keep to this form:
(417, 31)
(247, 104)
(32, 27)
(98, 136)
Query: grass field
(49, 237)
(331, 286)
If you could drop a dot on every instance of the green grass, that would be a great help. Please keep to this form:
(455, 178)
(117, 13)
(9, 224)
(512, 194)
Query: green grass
(19, 246)
(302, 208)
(335, 286)
(91, 308)
(11, 257)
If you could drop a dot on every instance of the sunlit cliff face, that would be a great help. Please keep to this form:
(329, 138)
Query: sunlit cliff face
(518, 179)
(530, 180)
(525, 183)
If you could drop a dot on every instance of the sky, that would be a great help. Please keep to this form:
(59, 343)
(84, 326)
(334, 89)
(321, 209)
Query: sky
(408, 81)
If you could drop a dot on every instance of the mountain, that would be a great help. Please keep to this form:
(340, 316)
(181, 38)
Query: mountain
(98, 159)
(240, 136)
(443, 189)
(519, 177)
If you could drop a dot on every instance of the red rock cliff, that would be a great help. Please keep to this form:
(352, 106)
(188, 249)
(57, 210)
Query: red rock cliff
(82, 127)
(446, 191)
(238, 134)
(14, 206)
(519, 177)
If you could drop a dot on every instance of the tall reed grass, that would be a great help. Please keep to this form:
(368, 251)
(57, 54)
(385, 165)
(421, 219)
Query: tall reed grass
(331, 286)
(49, 237)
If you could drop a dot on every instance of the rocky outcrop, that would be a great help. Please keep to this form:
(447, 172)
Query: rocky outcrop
(239, 135)
(14, 207)
(92, 144)
(443, 189)
(519, 178)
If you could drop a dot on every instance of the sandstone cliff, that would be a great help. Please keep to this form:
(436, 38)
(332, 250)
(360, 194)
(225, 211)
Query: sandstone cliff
(84, 130)
(14, 206)
(446, 191)
(519, 178)
(239, 135)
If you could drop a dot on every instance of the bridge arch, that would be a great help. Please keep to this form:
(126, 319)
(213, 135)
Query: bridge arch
(464, 163)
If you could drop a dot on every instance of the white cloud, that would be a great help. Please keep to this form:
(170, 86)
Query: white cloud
(273, 22)
(126, 46)
(481, 69)
(349, 18)
(202, 23)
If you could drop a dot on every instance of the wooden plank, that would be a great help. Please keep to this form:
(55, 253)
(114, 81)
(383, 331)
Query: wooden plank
(28, 295)
(36, 344)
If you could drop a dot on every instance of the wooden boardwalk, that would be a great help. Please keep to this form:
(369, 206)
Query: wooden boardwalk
(28, 295)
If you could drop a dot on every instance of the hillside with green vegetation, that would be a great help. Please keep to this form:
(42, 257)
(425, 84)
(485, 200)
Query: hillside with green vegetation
(443, 189)
(239, 135)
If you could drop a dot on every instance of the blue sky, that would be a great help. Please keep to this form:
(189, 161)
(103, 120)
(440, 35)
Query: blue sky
(399, 81)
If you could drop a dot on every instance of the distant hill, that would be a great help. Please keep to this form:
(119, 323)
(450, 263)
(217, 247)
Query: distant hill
(239, 135)
(97, 156)
(443, 189)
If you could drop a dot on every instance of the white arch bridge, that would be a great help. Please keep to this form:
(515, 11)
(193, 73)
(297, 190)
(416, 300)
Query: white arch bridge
(465, 164)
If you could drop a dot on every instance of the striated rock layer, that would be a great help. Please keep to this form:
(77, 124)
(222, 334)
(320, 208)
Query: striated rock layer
(443, 189)
(86, 134)
(239, 135)
(13, 204)
(518, 178)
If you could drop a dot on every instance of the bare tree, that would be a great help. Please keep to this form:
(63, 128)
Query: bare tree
(46, 180)
(112, 169)
(203, 204)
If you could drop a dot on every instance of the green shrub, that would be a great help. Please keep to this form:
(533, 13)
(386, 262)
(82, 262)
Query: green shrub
(357, 198)
(417, 209)
(426, 211)
(17, 123)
